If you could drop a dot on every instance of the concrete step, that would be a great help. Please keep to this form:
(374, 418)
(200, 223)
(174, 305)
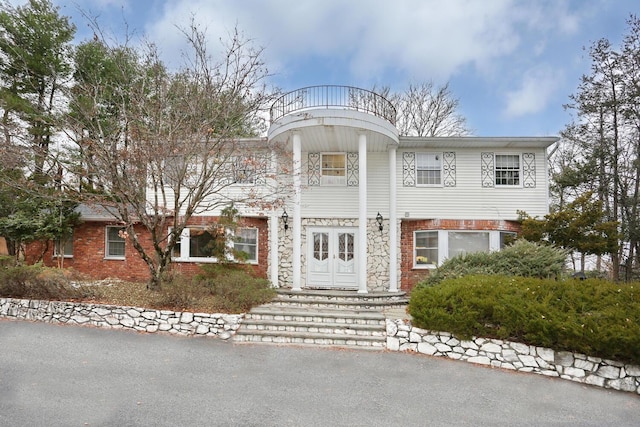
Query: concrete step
(306, 314)
(343, 319)
(337, 304)
(318, 339)
(343, 298)
(354, 329)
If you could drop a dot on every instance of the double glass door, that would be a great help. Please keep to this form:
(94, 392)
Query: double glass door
(332, 258)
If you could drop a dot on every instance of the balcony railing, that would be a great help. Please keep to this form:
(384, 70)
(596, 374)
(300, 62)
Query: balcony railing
(329, 96)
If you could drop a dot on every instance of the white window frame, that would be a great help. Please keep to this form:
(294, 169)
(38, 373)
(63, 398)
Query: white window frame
(428, 167)
(185, 247)
(67, 250)
(107, 243)
(244, 170)
(431, 263)
(507, 170)
(333, 180)
(495, 244)
(238, 243)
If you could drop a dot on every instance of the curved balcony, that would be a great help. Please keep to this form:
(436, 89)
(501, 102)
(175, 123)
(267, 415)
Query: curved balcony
(333, 97)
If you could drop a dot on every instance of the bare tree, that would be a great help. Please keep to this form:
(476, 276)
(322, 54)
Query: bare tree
(427, 110)
(157, 147)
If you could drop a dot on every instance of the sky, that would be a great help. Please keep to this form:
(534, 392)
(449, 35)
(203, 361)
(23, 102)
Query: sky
(512, 64)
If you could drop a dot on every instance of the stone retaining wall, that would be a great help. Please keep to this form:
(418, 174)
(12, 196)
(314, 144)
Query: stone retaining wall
(115, 317)
(402, 336)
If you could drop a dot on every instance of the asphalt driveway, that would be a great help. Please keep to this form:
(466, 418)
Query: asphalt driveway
(54, 375)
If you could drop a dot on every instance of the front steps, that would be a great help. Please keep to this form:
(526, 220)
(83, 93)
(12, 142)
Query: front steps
(321, 318)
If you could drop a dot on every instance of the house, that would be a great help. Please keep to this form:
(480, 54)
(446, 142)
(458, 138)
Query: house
(369, 210)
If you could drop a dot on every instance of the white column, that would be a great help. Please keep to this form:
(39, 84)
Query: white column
(273, 248)
(297, 220)
(362, 214)
(393, 226)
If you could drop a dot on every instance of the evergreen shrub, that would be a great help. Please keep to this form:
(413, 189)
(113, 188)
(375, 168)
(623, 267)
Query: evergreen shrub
(594, 317)
(521, 258)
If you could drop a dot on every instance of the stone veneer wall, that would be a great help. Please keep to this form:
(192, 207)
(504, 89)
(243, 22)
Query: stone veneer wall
(285, 256)
(377, 259)
(402, 336)
(114, 317)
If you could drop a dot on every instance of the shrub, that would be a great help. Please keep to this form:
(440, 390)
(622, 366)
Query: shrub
(179, 293)
(592, 316)
(230, 288)
(522, 258)
(235, 286)
(37, 282)
(7, 261)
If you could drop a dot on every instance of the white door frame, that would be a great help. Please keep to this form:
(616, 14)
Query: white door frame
(333, 272)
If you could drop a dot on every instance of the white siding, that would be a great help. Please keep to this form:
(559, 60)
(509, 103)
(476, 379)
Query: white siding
(342, 201)
(468, 199)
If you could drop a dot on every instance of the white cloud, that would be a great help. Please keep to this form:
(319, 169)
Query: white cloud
(534, 93)
(422, 39)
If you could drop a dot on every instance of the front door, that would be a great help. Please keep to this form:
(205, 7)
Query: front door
(332, 258)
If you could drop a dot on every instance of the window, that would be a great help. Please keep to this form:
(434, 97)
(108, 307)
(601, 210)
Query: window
(433, 247)
(179, 171)
(507, 169)
(198, 244)
(428, 168)
(426, 248)
(507, 237)
(246, 242)
(243, 169)
(177, 248)
(195, 244)
(334, 169)
(115, 243)
(63, 247)
(463, 242)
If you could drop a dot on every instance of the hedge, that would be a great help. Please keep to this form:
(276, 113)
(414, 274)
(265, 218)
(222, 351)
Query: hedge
(594, 317)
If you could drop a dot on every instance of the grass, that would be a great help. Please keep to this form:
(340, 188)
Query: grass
(221, 290)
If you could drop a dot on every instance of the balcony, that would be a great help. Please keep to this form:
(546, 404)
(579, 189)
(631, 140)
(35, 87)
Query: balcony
(333, 97)
(332, 119)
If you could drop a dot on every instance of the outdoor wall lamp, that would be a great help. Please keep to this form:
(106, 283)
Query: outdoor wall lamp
(285, 219)
(379, 220)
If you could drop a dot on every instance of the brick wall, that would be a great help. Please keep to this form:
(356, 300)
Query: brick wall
(411, 276)
(89, 250)
(88, 254)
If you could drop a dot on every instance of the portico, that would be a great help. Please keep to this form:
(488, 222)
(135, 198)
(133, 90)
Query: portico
(334, 134)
